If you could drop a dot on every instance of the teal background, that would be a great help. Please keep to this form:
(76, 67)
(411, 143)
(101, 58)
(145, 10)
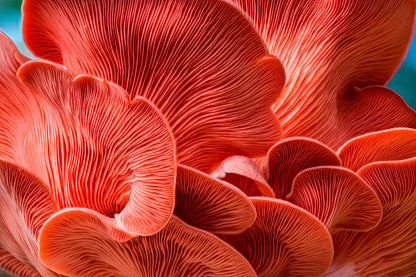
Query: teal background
(403, 82)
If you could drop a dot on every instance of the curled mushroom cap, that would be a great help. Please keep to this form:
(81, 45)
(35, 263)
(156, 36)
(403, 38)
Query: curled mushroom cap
(285, 240)
(243, 173)
(201, 62)
(387, 145)
(75, 243)
(337, 54)
(211, 204)
(92, 146)
(25, 205)
(390, 248)
(290, 156)
(338, 197)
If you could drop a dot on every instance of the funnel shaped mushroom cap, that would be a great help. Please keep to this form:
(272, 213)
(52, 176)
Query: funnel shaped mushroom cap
(290, 156)
(387, 145)
(211, 204)
(285, 240)
(25, 205)
(75, 243)
(243, 173)
(201, 62)
(338, 197)
(92, 146)
(336, 54)
(390, 248)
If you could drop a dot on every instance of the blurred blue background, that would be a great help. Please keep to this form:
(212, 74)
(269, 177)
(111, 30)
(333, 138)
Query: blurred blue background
(404, 82)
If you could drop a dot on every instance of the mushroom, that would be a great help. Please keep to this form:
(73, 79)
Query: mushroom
(337, 56)
(386, 145)
(200, 62)
(25, 205)
(91, 145)
(338, 197)
(243, 173)
(211, 204)
(390, 248)
(75, 243)
(290, 156)
(285, 240)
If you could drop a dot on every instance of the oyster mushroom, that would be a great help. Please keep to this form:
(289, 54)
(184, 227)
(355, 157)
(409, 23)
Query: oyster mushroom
(200, 62)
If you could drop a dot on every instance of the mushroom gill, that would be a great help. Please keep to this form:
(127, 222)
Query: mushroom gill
(285, 240)
(201, 62)
(75, 243)
(337, 55)
(91, 145)
(211, 204)
(338, 197)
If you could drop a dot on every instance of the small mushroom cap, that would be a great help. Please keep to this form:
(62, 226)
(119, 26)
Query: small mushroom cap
(337, 55)
(75, 243)
(211, 204)
(390, 248)
(25, 205)
(387, 145)
(201, 62)
(285, 240)
(338, 197)
(243, 173)
(290, 156)
(92, 146)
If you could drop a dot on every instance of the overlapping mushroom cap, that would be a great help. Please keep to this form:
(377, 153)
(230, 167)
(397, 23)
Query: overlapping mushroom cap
(337, 56)
(200, 62)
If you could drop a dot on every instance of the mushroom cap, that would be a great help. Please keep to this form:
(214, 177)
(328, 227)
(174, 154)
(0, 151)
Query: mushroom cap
(292, 155)
(338, 197)
(386, 145)
(211, 204)
(336, 55)
(75, 243)
(200, 62)
(91, 145)
(390, 248)
(243, 173)
(285, 240)
(25, 205)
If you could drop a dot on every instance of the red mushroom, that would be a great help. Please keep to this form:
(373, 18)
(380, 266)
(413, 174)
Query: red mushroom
(91, 145)
(387, 145)
(336, 55)
(285, 240)
(75, 243)
(211, 204)
(390, 248)
(243, 173)
(338, 197)
(25, 205)
(290, 156)
(201, 62)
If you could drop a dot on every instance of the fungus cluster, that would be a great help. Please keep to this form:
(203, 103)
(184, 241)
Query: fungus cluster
(207, 138)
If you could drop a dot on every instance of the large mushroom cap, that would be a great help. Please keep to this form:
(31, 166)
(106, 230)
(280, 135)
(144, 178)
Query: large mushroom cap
(337, 55)
(211, 204)
(75, 243)
(290, 156)
(285, 240)
(201, 62)
(92, 146)
(338, 197)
